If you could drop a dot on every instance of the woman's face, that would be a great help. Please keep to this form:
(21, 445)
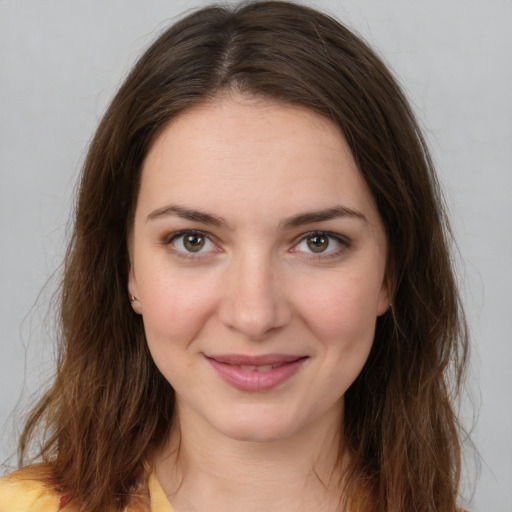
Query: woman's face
(257, 263)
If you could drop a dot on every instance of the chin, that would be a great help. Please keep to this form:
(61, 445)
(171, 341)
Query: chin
(248, 435)
(255, 429)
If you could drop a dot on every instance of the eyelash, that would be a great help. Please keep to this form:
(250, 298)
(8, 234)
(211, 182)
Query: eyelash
(343, 242)
(170, 239)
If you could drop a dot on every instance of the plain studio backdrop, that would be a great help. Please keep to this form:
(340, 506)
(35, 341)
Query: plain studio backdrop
(60, 63)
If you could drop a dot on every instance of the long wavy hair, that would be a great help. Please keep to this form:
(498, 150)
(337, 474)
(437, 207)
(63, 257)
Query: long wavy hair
(109, 407)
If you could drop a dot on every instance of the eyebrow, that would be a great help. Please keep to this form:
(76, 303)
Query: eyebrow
(291, 222)
(188, 214)
(321, 215)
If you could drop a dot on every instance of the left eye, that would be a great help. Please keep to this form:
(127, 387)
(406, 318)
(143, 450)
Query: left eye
(319, 243)
(192, 243)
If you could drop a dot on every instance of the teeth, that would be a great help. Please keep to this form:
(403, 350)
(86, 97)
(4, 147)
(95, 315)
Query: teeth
(265, 368)
(248, 368)
(253, 368)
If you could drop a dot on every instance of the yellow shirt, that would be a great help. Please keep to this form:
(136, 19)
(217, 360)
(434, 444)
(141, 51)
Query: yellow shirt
(19, 495)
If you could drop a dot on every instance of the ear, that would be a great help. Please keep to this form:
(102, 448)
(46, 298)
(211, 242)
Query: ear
(133, 291)
(385, 297)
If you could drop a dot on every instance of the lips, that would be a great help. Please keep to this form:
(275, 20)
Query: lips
(256, 373)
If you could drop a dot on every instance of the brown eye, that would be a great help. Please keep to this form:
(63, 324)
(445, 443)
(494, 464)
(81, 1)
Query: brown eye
(193, 242)
(317, 243)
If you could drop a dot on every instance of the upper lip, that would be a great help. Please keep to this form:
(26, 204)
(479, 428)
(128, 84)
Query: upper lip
(255, 360)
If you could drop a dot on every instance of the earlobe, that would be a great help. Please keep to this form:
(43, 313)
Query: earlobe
(385, 299)
(385, 305)
(133, 292)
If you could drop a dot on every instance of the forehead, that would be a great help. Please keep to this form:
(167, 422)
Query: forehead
(263, 153)
(233, 125)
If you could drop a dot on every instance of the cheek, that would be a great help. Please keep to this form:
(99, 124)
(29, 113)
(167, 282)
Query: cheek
(344, 322)
(175, 306)
(175, 311)
(343, 310)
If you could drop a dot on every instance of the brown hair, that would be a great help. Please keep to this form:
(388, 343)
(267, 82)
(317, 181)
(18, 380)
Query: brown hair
(109, 406)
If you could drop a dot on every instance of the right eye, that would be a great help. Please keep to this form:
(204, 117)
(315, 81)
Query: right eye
(191, 242)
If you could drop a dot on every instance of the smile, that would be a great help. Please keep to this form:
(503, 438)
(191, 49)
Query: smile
(263, 368)
(256, 373)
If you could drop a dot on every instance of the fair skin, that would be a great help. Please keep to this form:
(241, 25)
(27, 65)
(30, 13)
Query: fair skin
(258, 265)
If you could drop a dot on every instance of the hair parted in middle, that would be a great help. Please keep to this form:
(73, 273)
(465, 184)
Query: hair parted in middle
(110, 406)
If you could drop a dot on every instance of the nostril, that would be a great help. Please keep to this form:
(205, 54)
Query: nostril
(255, 319)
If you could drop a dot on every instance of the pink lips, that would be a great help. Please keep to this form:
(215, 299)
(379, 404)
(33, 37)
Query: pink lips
(256, 373)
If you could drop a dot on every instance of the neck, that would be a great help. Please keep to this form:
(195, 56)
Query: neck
(201, 469)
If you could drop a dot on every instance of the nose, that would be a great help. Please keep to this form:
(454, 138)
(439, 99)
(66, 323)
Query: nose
(254, 303)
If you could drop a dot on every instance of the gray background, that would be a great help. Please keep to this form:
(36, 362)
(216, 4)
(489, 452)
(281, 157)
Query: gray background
(60, 63)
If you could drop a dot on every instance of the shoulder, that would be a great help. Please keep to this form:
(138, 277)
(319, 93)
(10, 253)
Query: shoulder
(20, 494)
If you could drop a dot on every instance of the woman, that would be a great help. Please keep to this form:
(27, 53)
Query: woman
(258, 307)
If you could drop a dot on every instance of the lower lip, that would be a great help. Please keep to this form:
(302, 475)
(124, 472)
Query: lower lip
(247, 380)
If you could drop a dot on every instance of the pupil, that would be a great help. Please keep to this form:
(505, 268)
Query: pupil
(194, 243)
(318, 243)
